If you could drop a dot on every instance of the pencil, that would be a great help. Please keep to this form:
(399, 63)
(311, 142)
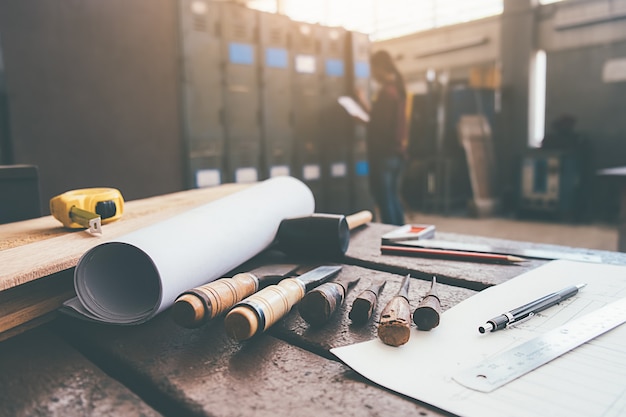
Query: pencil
(450, 254)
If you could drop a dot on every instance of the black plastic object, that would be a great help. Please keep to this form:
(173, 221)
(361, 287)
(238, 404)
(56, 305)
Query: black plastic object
(106, 209)
(19, 190)
(315, 236)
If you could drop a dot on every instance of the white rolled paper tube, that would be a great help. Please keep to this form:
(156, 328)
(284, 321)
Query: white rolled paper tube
(130, 279)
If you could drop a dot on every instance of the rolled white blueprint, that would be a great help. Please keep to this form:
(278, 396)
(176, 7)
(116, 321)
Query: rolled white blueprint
(132, 278)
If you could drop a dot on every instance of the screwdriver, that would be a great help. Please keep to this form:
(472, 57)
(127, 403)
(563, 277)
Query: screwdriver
(261, 310)
(426, 315)
(394, 328)
(198, 305)
(319, 304)
(87, 208)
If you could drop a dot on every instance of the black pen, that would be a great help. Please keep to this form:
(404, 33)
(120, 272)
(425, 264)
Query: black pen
(528, 310)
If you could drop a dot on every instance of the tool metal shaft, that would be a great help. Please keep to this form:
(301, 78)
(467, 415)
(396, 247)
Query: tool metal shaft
(394, 328)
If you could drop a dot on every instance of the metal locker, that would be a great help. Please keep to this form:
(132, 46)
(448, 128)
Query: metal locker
(202, 92)
(335, 127)
(358, 79)
(276, 97)
(306, 103)
(239, 33)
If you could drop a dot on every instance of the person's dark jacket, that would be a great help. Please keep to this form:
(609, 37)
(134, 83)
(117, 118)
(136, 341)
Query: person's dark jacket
(386, 133)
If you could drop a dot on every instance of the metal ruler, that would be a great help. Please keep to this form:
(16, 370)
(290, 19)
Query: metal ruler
(511, 364)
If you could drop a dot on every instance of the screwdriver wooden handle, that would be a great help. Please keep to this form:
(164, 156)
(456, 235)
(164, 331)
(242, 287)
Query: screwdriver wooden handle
(359, 219)
(261, 310)
(363, 306)
(426, 315)
(319, 304)
(201, 304)
(394, 328)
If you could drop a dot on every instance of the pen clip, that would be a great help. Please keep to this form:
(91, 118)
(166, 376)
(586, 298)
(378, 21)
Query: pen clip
(516, 322)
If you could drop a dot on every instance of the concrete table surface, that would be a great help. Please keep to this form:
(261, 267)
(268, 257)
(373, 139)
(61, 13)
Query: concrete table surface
(71, 367)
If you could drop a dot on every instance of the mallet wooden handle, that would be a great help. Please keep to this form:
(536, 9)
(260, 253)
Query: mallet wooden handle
(201, 304)
(261, 310)
(359, 219)
(394, 328)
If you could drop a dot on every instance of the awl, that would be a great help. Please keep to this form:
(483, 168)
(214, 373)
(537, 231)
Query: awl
(394, 328)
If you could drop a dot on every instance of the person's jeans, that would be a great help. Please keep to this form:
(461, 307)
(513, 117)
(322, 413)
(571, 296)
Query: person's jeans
(384, 177)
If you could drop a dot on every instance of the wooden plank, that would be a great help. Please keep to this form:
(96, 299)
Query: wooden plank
(26, 304)
(44, 376)
(201, 372)
(40, 247)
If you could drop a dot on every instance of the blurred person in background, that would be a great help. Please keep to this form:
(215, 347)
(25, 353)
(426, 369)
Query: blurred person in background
(386, 137)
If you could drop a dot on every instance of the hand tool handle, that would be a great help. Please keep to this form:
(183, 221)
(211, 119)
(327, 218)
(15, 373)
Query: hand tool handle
(363, 306)
(201, 304)
(394, 328)
(261, 310)
(426, 315)
(319, 304)
(359, 219)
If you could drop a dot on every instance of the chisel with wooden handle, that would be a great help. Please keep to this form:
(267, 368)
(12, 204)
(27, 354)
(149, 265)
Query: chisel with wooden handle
(261, 310)
(394, 328)
(319, 304)
(197, 306)
(363, 306)
(426, 315)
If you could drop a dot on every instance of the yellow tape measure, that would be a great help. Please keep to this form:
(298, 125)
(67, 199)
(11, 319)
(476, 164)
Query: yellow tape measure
(87, 208)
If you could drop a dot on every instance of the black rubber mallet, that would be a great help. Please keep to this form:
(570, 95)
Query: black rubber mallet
(319, 235)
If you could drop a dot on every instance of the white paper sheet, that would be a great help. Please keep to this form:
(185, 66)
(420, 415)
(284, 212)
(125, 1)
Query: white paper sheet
(130, 279)
(353, 108)
(588, 381)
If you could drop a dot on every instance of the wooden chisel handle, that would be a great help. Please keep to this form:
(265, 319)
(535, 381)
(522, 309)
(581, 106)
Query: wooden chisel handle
(319, 304)
(201, 304)
(363, 306)
(261, 310)
(394, 328)
(426, 315)
(359, 219)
